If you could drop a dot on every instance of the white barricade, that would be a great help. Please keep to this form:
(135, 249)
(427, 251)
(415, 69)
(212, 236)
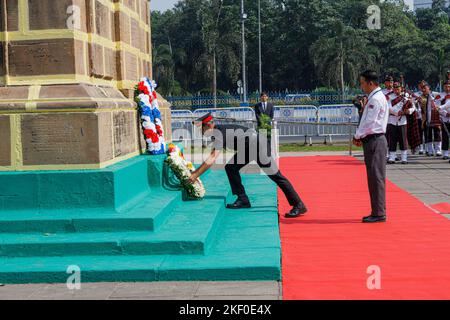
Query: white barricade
(296, 113)
(181, 113)
(337, 114)
(239, 113)
(300, 114)
(182, 128)
(341, 113)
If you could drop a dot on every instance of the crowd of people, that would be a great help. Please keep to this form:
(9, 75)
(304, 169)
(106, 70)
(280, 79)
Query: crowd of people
(418, 120)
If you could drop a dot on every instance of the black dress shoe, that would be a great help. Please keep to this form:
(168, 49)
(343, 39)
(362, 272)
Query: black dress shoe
(391, 162)
(239, 204)
(445, 158)
(296, 212)
(374, 219)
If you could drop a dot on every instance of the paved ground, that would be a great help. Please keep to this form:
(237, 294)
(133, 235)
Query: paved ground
(426, 178)
(147, 291)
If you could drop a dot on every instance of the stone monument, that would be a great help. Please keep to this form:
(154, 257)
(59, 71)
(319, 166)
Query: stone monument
(67, 74)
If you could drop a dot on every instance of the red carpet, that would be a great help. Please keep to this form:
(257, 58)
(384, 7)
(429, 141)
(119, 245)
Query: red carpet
(326, 253)
(443, 208)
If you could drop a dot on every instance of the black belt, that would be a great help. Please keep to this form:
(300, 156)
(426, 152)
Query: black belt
(371, 137)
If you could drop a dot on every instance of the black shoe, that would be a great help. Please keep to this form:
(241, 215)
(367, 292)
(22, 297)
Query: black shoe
(421, 152)
(296, 212)
(397, 159)
(374, 219)
(239, 204)
(391, 162)
(445, 158)
(404, 162)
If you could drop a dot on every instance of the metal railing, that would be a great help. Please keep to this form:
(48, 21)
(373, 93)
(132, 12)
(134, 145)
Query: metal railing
(306, 121)
(188, 132)
(277, 98)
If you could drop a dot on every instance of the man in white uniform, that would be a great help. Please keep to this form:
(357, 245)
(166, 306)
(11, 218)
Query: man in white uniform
(443, 101)
(388, 92)
(399, 108)
(371, 134)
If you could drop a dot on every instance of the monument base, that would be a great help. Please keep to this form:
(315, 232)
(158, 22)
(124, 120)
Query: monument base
(128, 222)
(66, 127)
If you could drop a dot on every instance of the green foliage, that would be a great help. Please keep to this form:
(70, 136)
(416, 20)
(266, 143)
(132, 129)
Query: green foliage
(266, 124)
(305, 44)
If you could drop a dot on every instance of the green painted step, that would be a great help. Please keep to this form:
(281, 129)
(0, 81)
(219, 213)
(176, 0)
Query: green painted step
(145, 212)
(255, 264)
(198, 240)
(189, 230)
(246, 247)
(148, 215)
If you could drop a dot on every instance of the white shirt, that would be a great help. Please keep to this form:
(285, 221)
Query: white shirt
(394, 118)
(388, 93)
(374, 119)
(429, 107)
(444, 110)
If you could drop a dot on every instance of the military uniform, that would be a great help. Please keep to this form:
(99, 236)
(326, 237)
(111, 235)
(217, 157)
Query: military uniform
(432, 124)
(397, 127)
(250, 146)
(443, 101)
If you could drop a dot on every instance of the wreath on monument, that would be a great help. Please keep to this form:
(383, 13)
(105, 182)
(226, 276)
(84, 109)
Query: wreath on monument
(147, 100)
(182, 170)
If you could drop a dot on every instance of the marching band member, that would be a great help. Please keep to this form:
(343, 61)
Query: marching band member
(416, 98)
(431, 121)
(388, 91)
(443, 100)
(399, 108)
(389, 86)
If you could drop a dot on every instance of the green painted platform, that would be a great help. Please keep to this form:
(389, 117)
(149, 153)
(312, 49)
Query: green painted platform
(128, 223)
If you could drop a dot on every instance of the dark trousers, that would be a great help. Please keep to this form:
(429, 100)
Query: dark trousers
(445, 137)
(268, 165)
(375, 160)
(432, 134)
(421, 132)
(397, 135)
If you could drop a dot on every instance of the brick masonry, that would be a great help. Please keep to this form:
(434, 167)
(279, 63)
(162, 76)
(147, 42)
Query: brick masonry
(71, 88)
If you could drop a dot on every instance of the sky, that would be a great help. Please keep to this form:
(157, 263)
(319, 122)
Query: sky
(162, 5)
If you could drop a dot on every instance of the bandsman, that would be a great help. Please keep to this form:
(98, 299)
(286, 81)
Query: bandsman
(399, 108)
(443, 100)
(431, 121)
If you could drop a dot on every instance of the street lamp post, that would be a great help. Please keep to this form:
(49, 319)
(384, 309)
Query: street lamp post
(260, 50)
(244, 73)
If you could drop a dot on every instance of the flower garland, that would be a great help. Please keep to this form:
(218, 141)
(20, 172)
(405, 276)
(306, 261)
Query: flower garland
(146, 98)
(182, 170)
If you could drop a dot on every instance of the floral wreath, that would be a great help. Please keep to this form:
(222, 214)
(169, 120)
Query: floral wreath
(146, 98)
(183, 170)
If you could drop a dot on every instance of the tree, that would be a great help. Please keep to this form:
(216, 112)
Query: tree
(203, 37)
(342, 55)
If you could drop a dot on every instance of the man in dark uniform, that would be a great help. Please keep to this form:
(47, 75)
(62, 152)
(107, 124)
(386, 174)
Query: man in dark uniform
(249, 145)
(264, 107)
